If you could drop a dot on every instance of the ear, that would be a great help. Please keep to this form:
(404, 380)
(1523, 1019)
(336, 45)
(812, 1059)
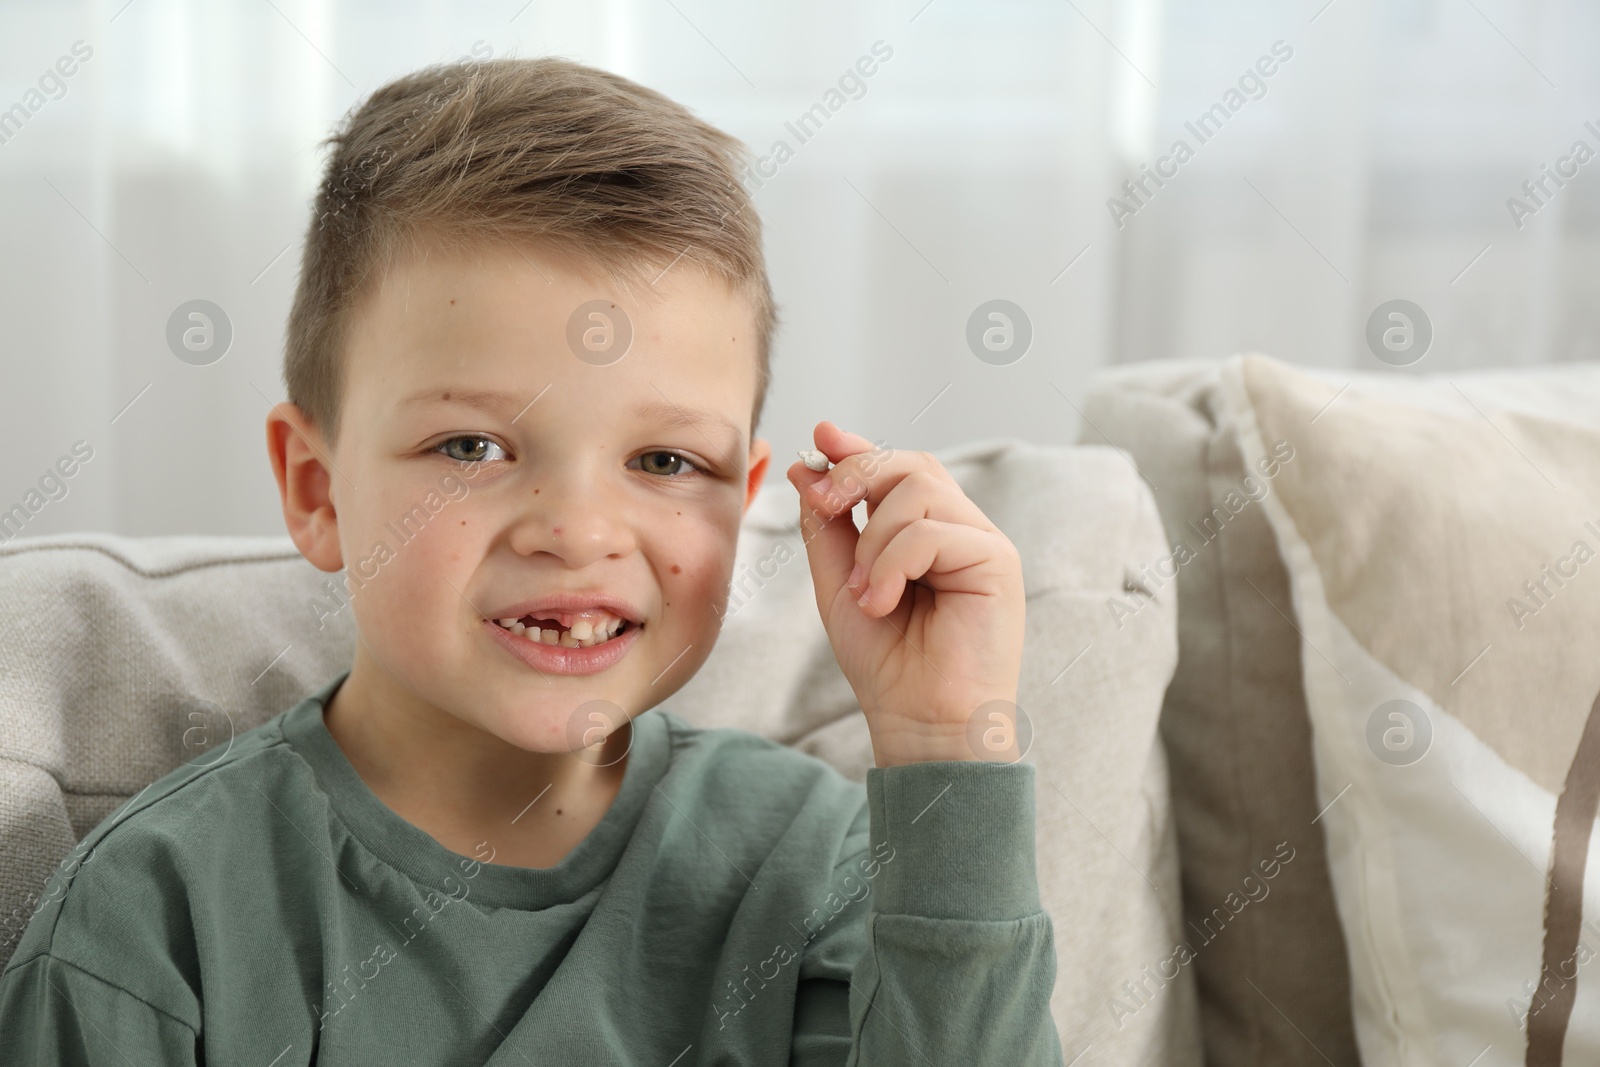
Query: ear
(300, 463)
(760, 456)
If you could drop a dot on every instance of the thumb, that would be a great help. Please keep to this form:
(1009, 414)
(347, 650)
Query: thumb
(830, 545)
(826, 523)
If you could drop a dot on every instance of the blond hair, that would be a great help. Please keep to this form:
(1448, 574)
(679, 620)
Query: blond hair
(596, 167)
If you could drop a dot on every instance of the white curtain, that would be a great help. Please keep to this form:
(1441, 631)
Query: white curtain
(980, 160)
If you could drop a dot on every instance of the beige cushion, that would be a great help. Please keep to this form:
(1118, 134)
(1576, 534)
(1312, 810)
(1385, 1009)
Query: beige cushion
(123, 657)
(1273, 980)
(1417, 520)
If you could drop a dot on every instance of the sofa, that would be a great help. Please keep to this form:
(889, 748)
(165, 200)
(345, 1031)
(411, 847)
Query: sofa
(1386, 632)
(1310, 790)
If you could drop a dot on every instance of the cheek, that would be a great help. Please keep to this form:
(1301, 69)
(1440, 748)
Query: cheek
(695, 557)
(408, 601)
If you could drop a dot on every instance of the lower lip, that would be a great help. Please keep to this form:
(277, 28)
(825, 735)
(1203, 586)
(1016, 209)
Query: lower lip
(557, 659)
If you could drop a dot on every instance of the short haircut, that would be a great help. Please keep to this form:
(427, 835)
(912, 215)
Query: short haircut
(599, 169)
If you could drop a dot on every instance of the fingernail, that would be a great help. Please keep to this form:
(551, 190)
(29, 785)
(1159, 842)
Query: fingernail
(855, 576)
(862, 602)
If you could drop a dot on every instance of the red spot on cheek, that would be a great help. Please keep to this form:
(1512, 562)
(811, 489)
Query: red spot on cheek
(676, 569)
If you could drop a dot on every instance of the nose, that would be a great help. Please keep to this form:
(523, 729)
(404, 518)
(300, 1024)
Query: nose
(574, 515)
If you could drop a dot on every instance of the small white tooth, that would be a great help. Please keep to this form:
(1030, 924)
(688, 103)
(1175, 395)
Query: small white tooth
(583, 629)
(517, 627)
(568, 641)
(550, 637)
(506, 622)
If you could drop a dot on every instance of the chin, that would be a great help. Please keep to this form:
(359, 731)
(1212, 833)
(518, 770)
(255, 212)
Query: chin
(548, 724)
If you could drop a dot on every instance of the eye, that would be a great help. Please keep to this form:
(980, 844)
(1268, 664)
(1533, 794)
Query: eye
(470, 455)
(657, 462)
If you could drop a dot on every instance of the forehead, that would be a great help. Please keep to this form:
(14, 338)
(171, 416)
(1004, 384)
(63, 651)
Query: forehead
(511, 319)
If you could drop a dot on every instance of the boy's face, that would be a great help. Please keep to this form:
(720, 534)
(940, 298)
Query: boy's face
(594, 488)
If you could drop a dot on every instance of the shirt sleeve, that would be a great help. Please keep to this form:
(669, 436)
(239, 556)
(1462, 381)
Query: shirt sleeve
(958, 961)
(53, 1012)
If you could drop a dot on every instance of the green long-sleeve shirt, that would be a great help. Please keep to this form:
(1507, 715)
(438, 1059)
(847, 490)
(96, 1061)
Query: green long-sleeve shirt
(739, 903)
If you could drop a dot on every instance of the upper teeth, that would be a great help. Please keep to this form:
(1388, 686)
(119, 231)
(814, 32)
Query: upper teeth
(584, 632)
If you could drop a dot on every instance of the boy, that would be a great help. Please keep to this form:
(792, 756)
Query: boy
(476, 845)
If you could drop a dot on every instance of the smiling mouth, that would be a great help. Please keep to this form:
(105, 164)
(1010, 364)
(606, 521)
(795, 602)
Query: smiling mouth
(584, 633)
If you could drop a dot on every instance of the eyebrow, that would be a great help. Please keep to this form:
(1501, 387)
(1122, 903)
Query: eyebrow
(671, 414)
(494, 402)
(489, 400)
